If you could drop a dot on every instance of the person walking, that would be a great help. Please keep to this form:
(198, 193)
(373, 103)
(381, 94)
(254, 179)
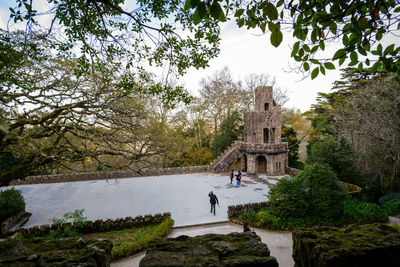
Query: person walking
(231, 175)
(213, 201)
(238, 178)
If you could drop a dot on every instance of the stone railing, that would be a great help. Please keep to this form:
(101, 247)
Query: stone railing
(233, 211)
(99, 226)
(264, 148)
(89, 176)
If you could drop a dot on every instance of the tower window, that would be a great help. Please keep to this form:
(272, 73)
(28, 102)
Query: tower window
(266, 106)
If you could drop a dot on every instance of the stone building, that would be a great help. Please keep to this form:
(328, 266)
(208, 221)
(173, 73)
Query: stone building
(262, 150)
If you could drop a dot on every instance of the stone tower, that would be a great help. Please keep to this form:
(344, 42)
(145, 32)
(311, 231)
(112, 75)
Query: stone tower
(262, 150)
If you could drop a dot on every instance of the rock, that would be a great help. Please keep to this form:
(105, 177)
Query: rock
(354, 245)
(234, 250)
(20, 251)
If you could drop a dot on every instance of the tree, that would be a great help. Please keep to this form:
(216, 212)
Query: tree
(358, 26)
(289, 135)
(124, 35)
(231, 130)
(51, 118)
(369, 119)
(220, 95)
(338, 155)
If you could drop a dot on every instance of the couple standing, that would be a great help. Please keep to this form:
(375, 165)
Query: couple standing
(238, 177)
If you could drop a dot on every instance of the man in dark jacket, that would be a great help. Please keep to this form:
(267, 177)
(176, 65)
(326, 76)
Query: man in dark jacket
(213, 201)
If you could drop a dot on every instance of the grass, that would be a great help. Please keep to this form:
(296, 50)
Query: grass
(133, 240)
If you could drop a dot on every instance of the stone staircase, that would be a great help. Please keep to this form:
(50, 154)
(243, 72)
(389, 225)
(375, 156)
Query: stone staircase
(221, 163)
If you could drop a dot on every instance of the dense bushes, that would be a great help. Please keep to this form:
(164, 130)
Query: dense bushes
(11, 203)
(315, 197)
(314, 192)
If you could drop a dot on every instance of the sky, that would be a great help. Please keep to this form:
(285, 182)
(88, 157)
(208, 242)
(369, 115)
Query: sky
(245, 52)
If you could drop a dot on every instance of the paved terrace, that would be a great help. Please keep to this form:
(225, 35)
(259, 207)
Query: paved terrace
(185, 196)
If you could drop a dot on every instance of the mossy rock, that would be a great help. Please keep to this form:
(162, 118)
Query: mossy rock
(20, 251)
(354, 245)
(234, 249)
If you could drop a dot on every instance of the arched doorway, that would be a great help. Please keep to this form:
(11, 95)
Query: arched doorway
(261, 164)
(243, 164)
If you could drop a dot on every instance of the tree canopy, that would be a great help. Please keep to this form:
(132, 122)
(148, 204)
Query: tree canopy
(358, 26)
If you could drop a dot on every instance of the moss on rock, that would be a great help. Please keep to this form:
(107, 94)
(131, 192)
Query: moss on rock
(20, 251)
(354, 245)
(234, 249)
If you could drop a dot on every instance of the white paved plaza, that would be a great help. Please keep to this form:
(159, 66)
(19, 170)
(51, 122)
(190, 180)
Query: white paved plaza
(185, 196)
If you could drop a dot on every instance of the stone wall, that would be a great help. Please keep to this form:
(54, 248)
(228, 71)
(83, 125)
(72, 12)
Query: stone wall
(234, 249)
(354, 245)
(89, 176)
(39, 252)
(99, 226)
(233, 211)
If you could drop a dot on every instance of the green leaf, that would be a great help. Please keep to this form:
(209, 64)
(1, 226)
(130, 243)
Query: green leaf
(296, 47)
(276, 37)
(360, 66)
(216, 11)
(271, 11)
(322, 69)
(314, 61)
(367, 62)
(314, 49)
(375, 67)
(188, 4)
(202, 10)
(306, 48)
(389, 49)
(379, 48)
(306, 66)
(196, 17)
(362, 51)
(322, 45)
(240, 23)
(345, 40)
(314, 35)
(333, 27)
(339, 54)
(239, 12)
(314, 73)
(353, 56)
(341, 61)
(329, 65)
(262, 26)
(271, 26)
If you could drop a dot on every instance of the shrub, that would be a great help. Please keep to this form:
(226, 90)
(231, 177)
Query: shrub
(126, 244)
(392, 207)
(313, 192)
(61, 228)
(355, 211)
(11, 203)
(389, 196)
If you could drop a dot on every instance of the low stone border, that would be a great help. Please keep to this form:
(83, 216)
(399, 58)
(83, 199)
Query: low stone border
(235, 210)
(99, 226)
(90, 176)
(292, 171)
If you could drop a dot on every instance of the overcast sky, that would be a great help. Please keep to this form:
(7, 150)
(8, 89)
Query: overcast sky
(246, 52)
